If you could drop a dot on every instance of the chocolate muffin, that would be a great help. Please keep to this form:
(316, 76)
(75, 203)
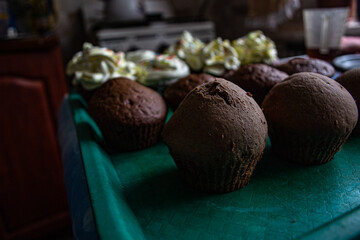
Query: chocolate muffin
(296, 65)
(351, 81)
(129, 115)
(257, 79)
(310, 116)
(216, 137)
(177, 91)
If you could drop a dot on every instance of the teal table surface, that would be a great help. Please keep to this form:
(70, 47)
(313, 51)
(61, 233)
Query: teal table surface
(139, 195)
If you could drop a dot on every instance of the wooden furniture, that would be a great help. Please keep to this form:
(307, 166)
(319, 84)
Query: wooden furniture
(33, 201)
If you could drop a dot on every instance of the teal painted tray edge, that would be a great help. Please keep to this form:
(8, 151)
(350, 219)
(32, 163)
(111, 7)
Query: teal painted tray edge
(107, 203)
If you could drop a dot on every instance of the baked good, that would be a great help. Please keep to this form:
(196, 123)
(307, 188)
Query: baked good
(309, 116)
(228, 74)
(219, 56)
(95, 65)
(351, 81)
(177, 91)
(257, 79)
(161, 69)
(129, 115)
(188, 48)
(216, 137)
(298, 64)
(215, 57)
(255, 47)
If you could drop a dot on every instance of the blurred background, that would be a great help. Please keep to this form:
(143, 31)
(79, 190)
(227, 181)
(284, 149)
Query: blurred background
(39, 37)
(107, 22)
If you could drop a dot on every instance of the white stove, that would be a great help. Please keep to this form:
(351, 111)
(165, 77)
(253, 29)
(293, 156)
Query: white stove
(153, 36)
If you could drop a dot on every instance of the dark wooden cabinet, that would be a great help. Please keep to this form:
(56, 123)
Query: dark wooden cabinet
(33, 201)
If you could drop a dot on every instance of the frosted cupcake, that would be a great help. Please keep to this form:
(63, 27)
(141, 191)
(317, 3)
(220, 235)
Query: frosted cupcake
(219, 57)
(162, 69)
(216, 57)
(95, 65)
(255, 47)
(188, 48)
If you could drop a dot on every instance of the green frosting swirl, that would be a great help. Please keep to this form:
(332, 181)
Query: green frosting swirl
(219, 55)
(255, 47)
(94, 65)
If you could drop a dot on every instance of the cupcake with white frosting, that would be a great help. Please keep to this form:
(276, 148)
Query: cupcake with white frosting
(95, 65)
(140, 57)
(255, 47)
(216, 57)
(162, 69)
(188, 48)
(219, 56)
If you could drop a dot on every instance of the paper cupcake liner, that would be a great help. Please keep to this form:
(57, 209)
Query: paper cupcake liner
(214, 179)
(307, 150)
(131, 138)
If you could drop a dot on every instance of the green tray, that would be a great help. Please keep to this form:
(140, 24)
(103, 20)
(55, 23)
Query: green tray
(139, 195)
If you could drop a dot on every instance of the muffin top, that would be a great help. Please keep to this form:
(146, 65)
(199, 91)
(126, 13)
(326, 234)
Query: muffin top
(126, 102)
(177, 91)
(215, 118)
(310, 103)
(258, 79)
(296, 65)
(351, 81)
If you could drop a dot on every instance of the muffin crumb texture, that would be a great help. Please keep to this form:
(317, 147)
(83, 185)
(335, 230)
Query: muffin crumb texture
(177, 91)
(297, 65)
(216, 137)
(310, 116)
(351, 81)
(129, 115)
(257, 79)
